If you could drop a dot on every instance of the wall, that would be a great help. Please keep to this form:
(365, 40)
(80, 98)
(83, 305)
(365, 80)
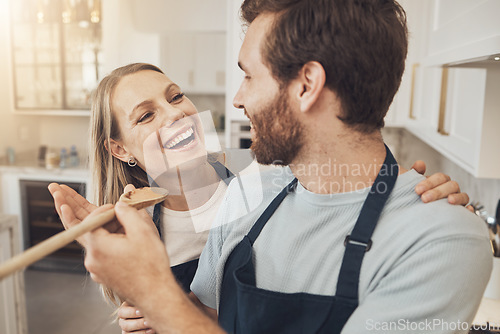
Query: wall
(407, 149)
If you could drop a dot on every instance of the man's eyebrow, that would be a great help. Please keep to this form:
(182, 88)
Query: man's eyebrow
(150, 102)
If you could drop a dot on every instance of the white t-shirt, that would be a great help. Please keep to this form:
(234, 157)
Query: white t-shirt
(185, 233)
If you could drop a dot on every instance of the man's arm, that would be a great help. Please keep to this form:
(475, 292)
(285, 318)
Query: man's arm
(135, 265)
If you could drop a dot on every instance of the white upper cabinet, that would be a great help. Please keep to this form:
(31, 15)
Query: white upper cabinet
(462, 29)
(195, 61)
(449, 96)
(163, 16)
(186, 39)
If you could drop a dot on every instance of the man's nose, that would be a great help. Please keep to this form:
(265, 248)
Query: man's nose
(237, 101)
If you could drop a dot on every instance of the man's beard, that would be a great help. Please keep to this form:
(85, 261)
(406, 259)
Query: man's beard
(278, 133)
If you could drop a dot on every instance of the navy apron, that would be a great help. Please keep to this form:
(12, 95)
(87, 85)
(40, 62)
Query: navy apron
(244, 308)
(184, 272)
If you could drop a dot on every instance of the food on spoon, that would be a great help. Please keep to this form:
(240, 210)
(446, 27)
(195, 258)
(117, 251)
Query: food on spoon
(146, 195)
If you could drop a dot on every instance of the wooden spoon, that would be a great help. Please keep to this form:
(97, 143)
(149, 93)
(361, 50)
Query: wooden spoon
(138, 198)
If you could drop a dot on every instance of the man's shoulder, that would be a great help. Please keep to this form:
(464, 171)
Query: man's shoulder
(406, 211)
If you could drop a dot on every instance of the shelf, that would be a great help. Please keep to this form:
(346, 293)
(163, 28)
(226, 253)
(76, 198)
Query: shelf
(70, 249)
(46, 224)
(42, 204)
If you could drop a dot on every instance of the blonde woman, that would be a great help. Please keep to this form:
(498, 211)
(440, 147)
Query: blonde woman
(134, 108)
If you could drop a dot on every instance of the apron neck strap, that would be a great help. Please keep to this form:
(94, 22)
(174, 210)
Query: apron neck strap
(359, 241)
(261, 222)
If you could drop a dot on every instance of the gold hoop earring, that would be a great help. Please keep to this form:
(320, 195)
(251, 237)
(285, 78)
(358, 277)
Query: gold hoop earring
(132, 162)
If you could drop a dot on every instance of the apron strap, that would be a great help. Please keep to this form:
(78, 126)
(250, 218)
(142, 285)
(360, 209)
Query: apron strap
(359, 241)
(224, 173)
(156, 217)
(261, 222)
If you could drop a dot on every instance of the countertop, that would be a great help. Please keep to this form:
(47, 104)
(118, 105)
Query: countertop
(27, 164)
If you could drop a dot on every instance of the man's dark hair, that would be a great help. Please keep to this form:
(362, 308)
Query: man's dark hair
(361, 44)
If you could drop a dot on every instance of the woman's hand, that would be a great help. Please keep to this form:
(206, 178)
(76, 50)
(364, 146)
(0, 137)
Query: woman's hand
(438, 186)
(131, 320)
(72, 208)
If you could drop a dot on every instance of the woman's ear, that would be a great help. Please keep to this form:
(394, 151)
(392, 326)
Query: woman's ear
(117, 150)
(311, 79)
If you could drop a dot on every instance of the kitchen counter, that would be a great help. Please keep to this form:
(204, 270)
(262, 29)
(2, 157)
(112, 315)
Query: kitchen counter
(26, 163)
(26, 169)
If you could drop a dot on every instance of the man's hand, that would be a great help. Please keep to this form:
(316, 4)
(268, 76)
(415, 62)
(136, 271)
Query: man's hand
(135, 265)
(130, 261)
(131, 320)
(438, 186)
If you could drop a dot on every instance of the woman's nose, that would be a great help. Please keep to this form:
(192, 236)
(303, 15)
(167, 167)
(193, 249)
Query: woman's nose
(172, 115)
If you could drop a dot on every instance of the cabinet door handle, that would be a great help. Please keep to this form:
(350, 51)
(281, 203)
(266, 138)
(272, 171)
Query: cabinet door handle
(442, 102)
(412, 94)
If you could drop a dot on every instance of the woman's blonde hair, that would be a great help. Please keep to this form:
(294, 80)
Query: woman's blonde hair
(109, 174)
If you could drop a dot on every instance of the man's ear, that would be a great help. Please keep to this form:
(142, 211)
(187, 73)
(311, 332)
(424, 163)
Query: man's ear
(117, 150)
(311, 81)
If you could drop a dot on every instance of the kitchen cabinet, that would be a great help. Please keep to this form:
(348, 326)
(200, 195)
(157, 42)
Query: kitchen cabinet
(25, 194)
(461, 29)
(12, 299)
(41, 221)
(455, 109)
(164, 16)
(449, 94)
(56, 55)
(195, 61)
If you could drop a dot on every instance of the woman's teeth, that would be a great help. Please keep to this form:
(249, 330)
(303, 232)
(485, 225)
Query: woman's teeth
(183, 136)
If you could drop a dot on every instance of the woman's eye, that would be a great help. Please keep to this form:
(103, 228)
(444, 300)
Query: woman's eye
(146, 116)
(177, 97)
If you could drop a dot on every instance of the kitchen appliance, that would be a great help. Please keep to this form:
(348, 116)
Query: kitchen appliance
(41, 221)
(240, 134)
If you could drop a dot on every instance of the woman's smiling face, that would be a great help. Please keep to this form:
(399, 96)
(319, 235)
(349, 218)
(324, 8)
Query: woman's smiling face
(158, 125)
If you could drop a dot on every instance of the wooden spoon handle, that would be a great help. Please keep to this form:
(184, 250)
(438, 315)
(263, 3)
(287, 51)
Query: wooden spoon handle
(54, 243)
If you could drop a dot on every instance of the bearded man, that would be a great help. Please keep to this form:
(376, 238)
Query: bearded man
(325, 252)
